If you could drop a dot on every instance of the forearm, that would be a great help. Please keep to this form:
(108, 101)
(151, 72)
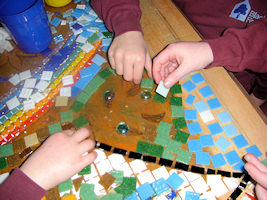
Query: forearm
(120, 16)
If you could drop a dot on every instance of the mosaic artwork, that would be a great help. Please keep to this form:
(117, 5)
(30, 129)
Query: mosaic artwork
(189, 148)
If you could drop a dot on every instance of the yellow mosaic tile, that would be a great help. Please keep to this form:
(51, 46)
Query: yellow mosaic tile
(31, 140)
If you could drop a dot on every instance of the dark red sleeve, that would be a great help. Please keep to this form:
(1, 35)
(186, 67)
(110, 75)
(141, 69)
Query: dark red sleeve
(240, 49)
(18, 186)
(119, 16)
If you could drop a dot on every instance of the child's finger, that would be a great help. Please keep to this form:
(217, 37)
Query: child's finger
(148, 65)
(259, 176)
(251, 158)
(81, 134)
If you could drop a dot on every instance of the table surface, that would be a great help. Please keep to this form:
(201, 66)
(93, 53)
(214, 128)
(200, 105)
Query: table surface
(162, 24)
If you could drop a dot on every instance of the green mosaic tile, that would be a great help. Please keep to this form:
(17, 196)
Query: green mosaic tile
(183, 156)
(6, 150)
(80, 122)
(118, 175)
(143, 147)
(156, 150)
(181, 136)
(93, 38)
(179, 123)
(147, 83)
(77, 106)
(177, 111)
(66, 116)
(149, 149)
(162, 140)
(176, 89)
(53, 128)
(83, 97)
(127, 187)
(85, 188)
(173, 146)
(107, 34)
(93, 85)
(105, 73)
(65, 186)
(113, 196)
(176, 101)
(86, 170)
(164, 128)
(3, 163)
(112, 71)
(168, 155)
(87, 192)
(264, 162)
(159, 98)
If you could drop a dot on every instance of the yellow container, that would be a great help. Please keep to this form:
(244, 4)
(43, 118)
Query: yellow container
(57, 3)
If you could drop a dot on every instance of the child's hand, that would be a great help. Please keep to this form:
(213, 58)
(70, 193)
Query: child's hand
(59, 158)
(128, 54)
(258, 171)
(179, 59)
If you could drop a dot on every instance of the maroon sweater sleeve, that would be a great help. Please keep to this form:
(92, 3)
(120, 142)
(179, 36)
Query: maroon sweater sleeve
(18, 186)
(119, 16)
(240, 49)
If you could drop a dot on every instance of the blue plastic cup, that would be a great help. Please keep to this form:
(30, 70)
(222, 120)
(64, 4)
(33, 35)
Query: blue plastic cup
(8, 7)
(30, 27)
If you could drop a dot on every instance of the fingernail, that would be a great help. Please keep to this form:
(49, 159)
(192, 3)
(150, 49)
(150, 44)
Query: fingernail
(247, 158)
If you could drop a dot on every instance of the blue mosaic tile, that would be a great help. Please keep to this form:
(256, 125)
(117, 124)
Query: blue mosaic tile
(214, 103)
(194, 145)
(145, 191)
(194, 128)
(190, 99)
(206, 92)
(206, 140)
(197, 78)
(201, 106)
(255, 150)
(160, 186)
(224, 117)
(240, 141)
(223, 143)
(191, 195)
(99, 60)
(202, 158)
(189, 86)
(215, 128)
(55, 21)
(239, 166)
(230, 130)
(232, 157)
(174, 181)
(190, 114)
(217, 160)
(132, 197)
